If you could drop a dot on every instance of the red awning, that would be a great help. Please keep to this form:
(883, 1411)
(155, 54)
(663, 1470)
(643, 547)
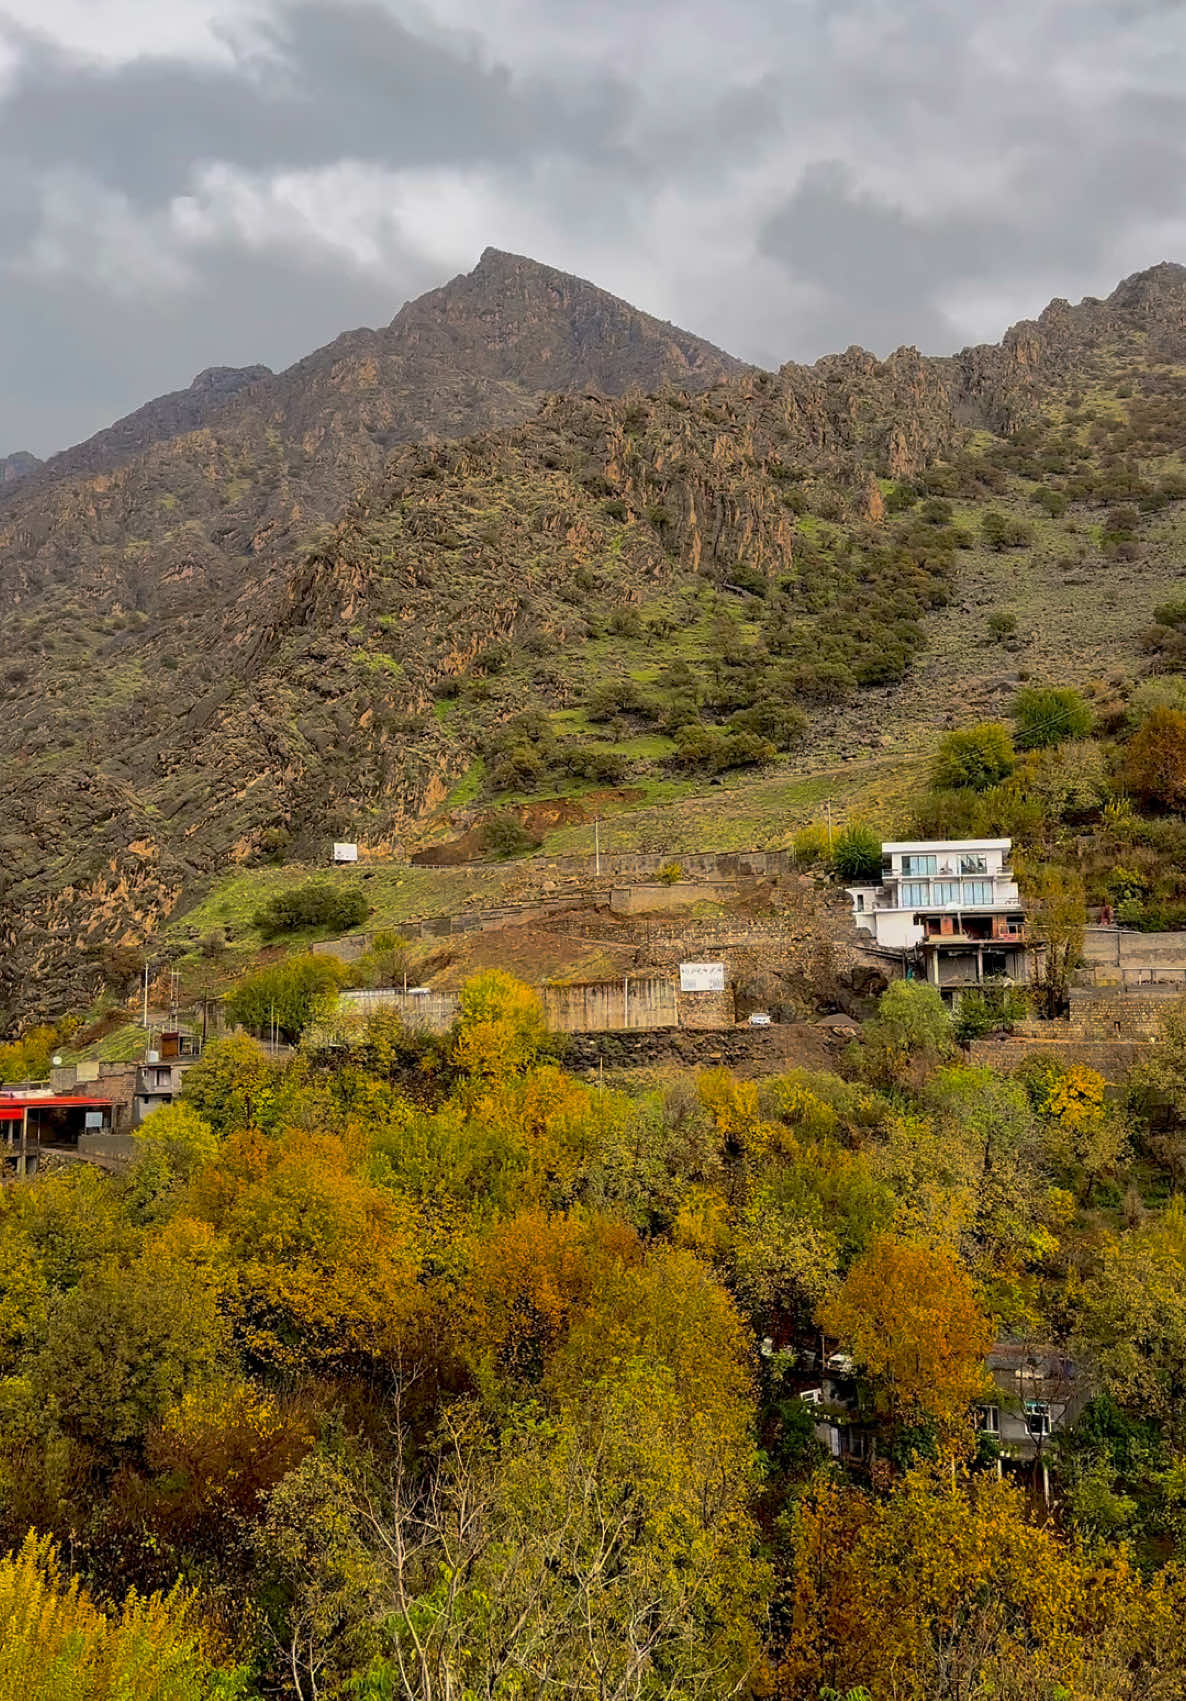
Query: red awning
(13, 1104)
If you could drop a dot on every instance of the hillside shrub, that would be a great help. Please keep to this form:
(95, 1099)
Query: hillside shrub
(974, 758)
(1045, 715)
(1002, 625)
(856, 853)
(1000, 531)
(810, 845)
(712, 750)
(57, 1645)
(318, 903)
(505, 836)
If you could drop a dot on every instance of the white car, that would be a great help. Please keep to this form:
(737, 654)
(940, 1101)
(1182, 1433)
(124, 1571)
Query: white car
(759, 1019)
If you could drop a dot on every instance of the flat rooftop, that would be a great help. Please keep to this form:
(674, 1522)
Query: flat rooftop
(912, 847)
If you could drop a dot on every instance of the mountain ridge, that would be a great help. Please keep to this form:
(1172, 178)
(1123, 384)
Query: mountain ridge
(238, 637)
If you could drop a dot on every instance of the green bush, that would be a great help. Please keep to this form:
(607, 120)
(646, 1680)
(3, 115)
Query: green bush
(1049, 715)
(988, 1009)
(504, 835)
(1002, 625)
(856, 853)
(316, 904)
(1000, 531)
(284, 996)
(974, 758)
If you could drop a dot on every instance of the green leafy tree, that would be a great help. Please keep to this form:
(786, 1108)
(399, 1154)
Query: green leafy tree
(172, 1145)
(911, 1033)
(229, 1082)
(316, 904)
(1045, 715)
(284, 997)
(1057, 914)
(974, 758)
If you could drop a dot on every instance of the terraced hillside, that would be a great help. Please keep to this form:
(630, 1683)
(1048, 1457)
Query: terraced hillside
(783, 573)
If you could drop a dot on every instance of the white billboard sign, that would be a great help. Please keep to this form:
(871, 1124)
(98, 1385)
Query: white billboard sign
(345, 853)
(702, 977)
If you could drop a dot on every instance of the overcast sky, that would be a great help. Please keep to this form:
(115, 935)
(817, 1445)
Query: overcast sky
(187, 183)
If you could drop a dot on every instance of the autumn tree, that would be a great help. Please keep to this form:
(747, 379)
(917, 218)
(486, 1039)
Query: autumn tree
(531, 1275)
(907, 1313)
(1154, 766)
(946, 1587)
(500, 1028)
(323, 1265)
(55, 1642)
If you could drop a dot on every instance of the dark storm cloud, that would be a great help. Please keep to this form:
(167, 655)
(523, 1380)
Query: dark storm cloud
(328, 81)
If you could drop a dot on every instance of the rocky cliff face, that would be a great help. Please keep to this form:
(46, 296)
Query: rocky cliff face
(1003, 384)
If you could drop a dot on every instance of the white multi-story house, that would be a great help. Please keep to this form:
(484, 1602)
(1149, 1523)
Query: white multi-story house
(950, 909)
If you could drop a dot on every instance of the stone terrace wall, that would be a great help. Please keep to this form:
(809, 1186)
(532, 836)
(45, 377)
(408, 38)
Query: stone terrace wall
(1110, 1058)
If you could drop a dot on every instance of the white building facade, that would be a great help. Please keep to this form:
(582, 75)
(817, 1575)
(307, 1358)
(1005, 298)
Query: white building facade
(949, 910)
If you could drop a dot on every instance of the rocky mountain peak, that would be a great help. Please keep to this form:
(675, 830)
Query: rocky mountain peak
(1151, 289)
(227, 380)
(16, 466)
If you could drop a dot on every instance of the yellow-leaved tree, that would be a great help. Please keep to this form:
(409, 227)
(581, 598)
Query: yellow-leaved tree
(907, 1313)
(57, 1645)
(945, 1587)
(500, 1029)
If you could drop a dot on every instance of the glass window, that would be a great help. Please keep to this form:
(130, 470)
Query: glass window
(1037, 1418)
(947, 891)
(978, 891)
(915, 892)
(974, 864)
(990, 1419)
(919, 864)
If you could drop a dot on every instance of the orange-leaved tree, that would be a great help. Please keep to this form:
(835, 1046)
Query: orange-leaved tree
(532, 1274)
(1154, 767)
(908, 1314)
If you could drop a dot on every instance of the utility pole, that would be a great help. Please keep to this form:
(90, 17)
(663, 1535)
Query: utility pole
(23, 1161)
(146, 995)
(597, 847)
(828, 811)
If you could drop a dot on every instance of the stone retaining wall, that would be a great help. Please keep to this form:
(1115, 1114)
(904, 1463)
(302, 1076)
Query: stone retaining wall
(1110, 1058)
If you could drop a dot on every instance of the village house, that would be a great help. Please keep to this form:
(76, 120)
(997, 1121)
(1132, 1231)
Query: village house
(1038, 1390)
(948, 912)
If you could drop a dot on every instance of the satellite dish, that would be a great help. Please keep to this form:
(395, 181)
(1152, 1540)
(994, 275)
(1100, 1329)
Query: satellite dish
(57, 1062)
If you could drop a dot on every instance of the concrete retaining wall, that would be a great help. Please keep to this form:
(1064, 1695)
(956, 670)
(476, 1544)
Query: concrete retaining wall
(611, 1006)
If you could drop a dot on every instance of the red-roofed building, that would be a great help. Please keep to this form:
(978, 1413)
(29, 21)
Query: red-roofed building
(33, 1122)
